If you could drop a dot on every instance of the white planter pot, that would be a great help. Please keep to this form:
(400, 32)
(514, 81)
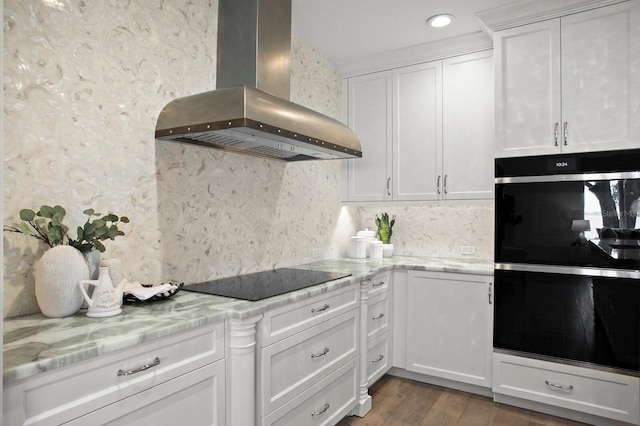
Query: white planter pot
(57, 275)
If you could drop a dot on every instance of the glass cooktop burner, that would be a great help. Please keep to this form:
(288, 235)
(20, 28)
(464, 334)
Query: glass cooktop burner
(261, 285)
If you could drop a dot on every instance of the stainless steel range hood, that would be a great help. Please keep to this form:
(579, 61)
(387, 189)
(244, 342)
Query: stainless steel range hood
(249, 111)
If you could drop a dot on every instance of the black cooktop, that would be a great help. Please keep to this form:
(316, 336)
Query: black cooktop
(261, 285)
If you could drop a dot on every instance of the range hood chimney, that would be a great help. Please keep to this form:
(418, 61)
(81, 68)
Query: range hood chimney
(250, 111)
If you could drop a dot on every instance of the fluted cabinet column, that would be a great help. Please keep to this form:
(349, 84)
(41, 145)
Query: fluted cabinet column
(241, 371)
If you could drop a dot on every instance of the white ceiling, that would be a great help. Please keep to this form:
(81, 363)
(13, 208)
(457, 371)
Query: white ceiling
(346, 30)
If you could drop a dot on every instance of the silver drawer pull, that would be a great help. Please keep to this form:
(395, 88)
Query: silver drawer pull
(378, 284)
(380, 358)
(139, 369)
(558, 386)
(378, 317)
(321, 411)
(324, 308)
(323, 353)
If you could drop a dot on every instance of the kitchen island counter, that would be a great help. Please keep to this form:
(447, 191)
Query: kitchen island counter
(34, 343)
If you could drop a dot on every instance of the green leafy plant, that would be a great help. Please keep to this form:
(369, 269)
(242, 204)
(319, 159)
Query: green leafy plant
(46, 225)
(95, 231)
(385, 227)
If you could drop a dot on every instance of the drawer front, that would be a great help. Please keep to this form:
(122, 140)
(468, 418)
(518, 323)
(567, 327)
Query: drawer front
(293, 365)
(378, 315)
(589, 391)
(288, 320)
(324, 404)
(380, 283)
(198, 395)
(378, 358)
(62, 394)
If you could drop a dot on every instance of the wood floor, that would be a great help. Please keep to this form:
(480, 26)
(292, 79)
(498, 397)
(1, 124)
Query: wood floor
(402, 402)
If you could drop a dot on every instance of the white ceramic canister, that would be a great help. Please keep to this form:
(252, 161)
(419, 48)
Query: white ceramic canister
(369, 235)
(358, 248)
(375, 249)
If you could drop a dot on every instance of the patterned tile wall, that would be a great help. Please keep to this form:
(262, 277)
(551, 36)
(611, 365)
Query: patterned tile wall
(83, 85)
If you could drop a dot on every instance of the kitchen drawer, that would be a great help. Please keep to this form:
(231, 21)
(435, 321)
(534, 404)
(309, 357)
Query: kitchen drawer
(64, 393)
(378, 315)
(596, 392)
(168, 403)
(378, 358)
(290, 319)
(295, 364)
(380, 283)
(326, 403)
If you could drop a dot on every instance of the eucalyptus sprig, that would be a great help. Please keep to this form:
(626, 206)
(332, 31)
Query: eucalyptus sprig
(93, 232)
(45, 225)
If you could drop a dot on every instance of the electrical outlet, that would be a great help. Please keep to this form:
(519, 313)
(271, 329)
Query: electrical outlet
(315, 253)
(468, 250)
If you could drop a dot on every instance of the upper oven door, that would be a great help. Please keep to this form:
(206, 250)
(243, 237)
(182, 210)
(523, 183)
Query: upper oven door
(573, 219)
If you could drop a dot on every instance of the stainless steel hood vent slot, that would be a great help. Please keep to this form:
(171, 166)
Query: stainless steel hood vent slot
(250, 111)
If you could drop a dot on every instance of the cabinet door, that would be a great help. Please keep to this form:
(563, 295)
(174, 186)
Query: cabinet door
(417, 131)
(601, 78)
(449, 326)
(368, 178)
(468, 127)
(528, 103)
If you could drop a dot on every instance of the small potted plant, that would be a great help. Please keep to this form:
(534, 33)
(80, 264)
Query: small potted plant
(385, 230)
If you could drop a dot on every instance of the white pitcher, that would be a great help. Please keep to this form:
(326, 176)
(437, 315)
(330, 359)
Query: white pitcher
(106, 300)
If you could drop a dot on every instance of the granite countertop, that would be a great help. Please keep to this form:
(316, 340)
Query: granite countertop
(34, 343)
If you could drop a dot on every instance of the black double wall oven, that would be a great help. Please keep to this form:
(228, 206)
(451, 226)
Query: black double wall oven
(567, 259)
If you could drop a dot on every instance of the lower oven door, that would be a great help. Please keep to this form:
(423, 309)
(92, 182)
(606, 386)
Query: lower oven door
(571, 315)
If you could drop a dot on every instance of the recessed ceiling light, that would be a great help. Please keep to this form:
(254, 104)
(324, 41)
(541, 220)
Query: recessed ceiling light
(439, 21)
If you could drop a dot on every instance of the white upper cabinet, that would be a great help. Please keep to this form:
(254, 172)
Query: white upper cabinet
(426, 130)
(369, 116)
(417, 131)
(468, 127)
(570, 84)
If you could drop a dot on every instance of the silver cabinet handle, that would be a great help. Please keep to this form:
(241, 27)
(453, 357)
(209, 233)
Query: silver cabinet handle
(321, 411)
(558, 386)
(139, 369)
(324, 308)
(445, 184)
(378, 317)
(490, 286)
(565, 133)
(438, 184)
(555, 132)
(380, 358)
(388, 186)
(323, 353)
(377, 284)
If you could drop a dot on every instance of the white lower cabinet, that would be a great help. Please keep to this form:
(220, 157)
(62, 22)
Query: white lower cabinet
(180, 373)
(378, 359)
(308, 360)
(599, 393)
(450, 326)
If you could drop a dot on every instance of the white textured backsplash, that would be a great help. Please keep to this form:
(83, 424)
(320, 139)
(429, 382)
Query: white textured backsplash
(84, 82)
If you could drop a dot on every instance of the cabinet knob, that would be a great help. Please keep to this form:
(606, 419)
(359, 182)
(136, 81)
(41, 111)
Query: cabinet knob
(321, 411)
(438, 184)
(445, 183)
(323, 353)
(389, 186)
(155, 362)
(565, 133)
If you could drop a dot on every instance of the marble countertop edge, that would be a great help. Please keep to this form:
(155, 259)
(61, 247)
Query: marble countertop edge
(34, 344)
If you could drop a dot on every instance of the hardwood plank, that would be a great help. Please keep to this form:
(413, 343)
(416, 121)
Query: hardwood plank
(403, 402)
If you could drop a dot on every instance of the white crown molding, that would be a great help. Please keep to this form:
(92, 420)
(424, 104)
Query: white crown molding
(426, 52)
(528, 12)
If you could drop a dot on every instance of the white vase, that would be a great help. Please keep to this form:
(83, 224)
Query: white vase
(387, 250)
(57, 275)
(93, 260)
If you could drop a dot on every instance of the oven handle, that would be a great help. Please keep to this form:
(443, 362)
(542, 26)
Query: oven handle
(569, 177)
(569, 270)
